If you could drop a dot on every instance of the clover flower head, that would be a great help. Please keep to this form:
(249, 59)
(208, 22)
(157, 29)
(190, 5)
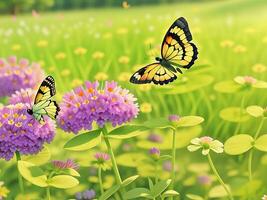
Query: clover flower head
(18, 74)
(204, 180)
(167, 166)
(173, 118)
(155, 138)
(206, 143)
(245, 80)
(3, 191)
(102, 157)
(68, 164)
(264, 197)
(85, 195)
(98, 55)
(91, 103)
(145, 107)
(259, 68)
(80, 51)
(20, 132)
(154, 152)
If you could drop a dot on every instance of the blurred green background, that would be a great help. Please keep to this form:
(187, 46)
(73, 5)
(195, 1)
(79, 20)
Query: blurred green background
(112, 41)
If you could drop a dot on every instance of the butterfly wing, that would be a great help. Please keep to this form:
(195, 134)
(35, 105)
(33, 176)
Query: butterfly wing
(43, 105)
(176, 47)
(155, 73)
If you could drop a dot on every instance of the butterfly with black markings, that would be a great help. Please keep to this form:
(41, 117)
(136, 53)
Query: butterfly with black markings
(43, 103)
(177, 51)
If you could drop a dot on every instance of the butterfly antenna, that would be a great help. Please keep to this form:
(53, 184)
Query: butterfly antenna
(29, 97)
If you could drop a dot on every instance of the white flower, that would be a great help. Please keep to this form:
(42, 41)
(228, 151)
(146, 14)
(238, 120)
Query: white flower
(207, 144)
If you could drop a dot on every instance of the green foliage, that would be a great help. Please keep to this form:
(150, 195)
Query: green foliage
(129, 180)
(234, 114)
(39, 159)
(238, 144)
(63, 181)
(261, 143)
(126, 131)
(84, 141)
(109, 192)
(32, 173)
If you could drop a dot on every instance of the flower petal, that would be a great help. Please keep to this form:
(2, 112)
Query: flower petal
(196, 141)
(205, 151)
(192, 148)
(216, 146)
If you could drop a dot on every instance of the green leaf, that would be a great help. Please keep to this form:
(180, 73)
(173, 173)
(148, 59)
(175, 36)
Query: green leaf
(261, 143)
(183, 138)
(234, 114)
(39, 159)
(188, 121)
(255, 111)
(227, 87)
(71, 172)
(137, 193)
(32, 173)
(249, 188)
(218, 191)
(260, 84)
(129, 180)
(158, 123)
(63, 181)
(109, 192)
(238, 144)
(150, 183)
(159, 187)
(127, 131)
(130, 159)
(164, 157)
(169, 193)
(194, 197)
(84, 141)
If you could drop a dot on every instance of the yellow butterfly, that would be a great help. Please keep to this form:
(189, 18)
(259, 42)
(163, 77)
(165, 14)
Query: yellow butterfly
(176, 52)
(43, 103)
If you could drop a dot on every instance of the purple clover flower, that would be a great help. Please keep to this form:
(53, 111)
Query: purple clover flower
(167, 166)
(155, 138)
(204, 180)
(102, 157)
(15, 75)
(21, 132)
(85, 195)
(84, 105)
(173, 118)
(154, 152)
(65, 164)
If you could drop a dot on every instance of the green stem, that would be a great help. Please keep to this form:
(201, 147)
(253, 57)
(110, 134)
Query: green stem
(240, 115)
(173, 158)
(21, 187)
(48, 197)
(219, 178)
(259, 128)
(114, 163)
(100, 180)
(156, 172)
(250, 157)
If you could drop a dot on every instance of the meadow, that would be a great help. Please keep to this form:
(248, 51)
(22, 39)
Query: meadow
(111, 44)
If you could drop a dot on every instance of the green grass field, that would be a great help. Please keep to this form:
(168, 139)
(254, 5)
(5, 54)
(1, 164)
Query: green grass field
(110, 44)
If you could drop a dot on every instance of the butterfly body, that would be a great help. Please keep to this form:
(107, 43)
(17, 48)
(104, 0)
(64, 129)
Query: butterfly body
(176, 52)
(43, 103)
(165, 64)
